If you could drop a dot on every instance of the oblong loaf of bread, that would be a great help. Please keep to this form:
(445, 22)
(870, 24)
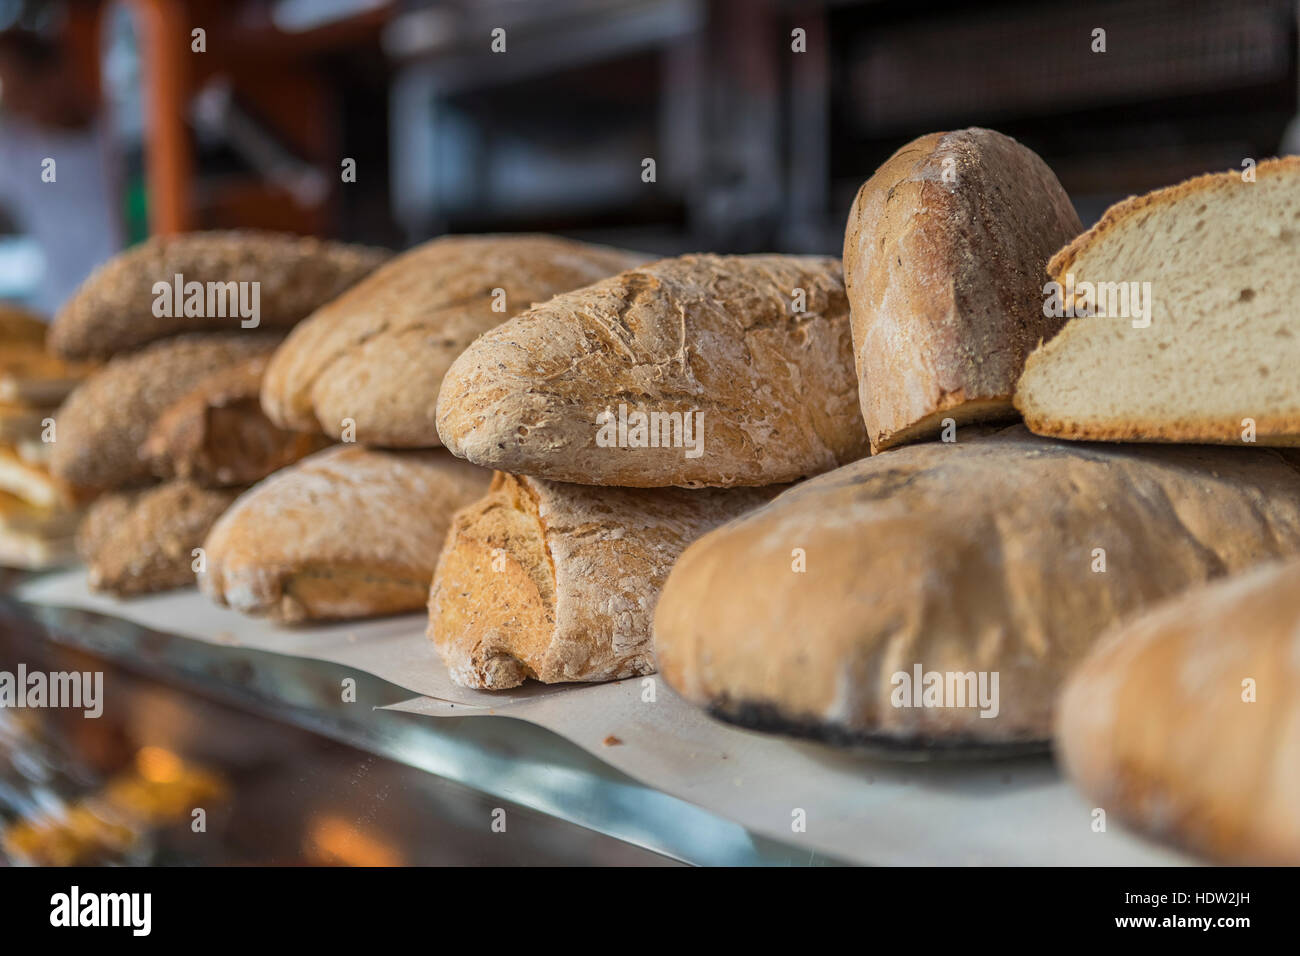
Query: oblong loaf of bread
(826, 612)
(734, 387)
(99, 429)
(139, 542)
(1184, 331)
(557, 582)
(376, 355)
(346, 533)
(1185, 721)
(114, 309)
(218, 436)
(944, 258)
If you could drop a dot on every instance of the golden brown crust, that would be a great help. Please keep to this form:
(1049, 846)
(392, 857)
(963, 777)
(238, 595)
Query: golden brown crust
(980, 556)
(943, 260)
(100, 427)
(346, 533)
(114, 309)
(557, 582)
(18, 326)
(218, 436)
(1063, 261)
(377, 354)
(1155, 726)
(711, 337)
(140, 542)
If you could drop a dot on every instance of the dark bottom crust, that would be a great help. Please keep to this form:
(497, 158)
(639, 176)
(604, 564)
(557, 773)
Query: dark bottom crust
(769, 718)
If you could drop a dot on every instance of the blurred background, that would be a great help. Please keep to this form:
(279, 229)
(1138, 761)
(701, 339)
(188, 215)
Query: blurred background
(251, 122)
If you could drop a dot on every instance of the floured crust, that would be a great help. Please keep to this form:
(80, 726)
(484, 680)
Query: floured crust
(1063, 261)
(977, 556)
(113, 310)
(346, 533)
(1153, 726)
(557, 582)
(101, 426)
(943, 259)
(710, 336)
(377, 354)
(140, 542)
(218, 436)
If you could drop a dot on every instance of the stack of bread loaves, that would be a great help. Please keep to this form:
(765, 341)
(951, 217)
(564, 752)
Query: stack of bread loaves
(169, 429)
(38, 513)
(355, 530)
(936, 597)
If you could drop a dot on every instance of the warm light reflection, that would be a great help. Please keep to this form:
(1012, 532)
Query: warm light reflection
(334, 840)
(158, 765)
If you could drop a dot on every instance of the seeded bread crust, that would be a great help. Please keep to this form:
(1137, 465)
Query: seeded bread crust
(1154, 728)
(113, 310)
(376, 356)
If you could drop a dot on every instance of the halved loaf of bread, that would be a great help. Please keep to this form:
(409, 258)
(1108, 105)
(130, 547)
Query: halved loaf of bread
(114, 309)
(557, 582)
(1198, 343)
(830, 611)
(1185, 721)
(348, 532)
(376, 356)
(696, 371)
(943, 257)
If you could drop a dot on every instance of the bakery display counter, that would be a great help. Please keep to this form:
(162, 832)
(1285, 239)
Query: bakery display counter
(647, 776)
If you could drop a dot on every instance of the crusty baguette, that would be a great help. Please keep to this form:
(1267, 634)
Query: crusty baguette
(1185, 721)
(978, 557)
(100, 427)
(114, 309)
(139, 542)
(557, 582)
(710, 337)
(218, 436)
(348, 532)
(1214, 356)
(377, 354)
(943, 258)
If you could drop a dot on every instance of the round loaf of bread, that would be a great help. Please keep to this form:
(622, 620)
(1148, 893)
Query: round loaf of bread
(1185, 721)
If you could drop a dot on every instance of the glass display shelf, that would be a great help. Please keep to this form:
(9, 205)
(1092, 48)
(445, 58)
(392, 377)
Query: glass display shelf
(500, 756)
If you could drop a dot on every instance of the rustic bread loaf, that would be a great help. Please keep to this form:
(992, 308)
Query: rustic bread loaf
(348, 532)
(557, 582)
(943, 258)
(100, 427)
(760, 395)
(1185, 721)
(114, 309)
(1205, 351)
(981, 557)
(218, 436)
(377, 354)
(139, 542)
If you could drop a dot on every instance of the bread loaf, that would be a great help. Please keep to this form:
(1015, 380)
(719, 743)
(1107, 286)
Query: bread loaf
(101, 426)
(139, 542)
(825, 612)
(1185, 721)
(694, 371)
(218, 436)
(18, 326)
(115, 309)
(1194, 287)
(943, 258)
(34, 536)
(348, 532)
(557, 582)
(376, 356)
